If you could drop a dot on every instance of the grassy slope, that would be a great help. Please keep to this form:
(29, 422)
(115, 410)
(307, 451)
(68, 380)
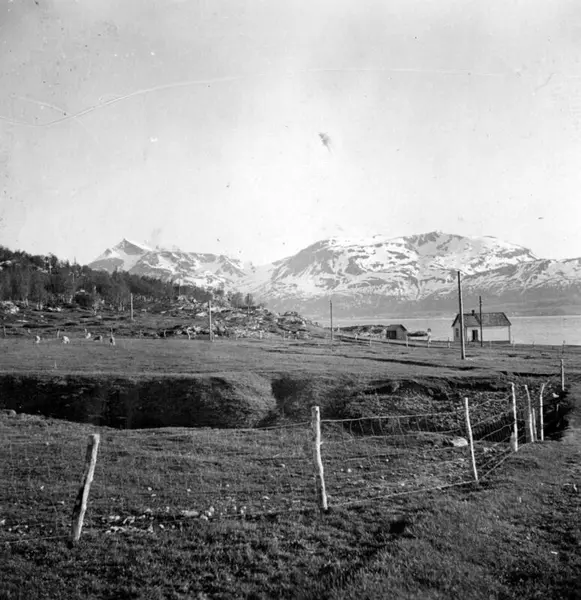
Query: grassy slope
(517, 535)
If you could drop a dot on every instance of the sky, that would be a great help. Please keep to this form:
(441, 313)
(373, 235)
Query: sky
(255, 128)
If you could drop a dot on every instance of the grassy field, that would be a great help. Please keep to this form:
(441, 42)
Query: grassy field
(211, 513)
(179, 356)
(134, 355)
(515, 535)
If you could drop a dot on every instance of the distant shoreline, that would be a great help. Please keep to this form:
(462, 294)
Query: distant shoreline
(442, 318)
(539, 330)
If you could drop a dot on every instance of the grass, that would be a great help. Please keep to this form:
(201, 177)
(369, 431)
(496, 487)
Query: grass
(517, 535)
(177, 356)
(228, 383)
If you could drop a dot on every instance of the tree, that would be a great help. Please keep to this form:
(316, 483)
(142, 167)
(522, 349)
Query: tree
(236, 299)
(38, 282)
(20, 282)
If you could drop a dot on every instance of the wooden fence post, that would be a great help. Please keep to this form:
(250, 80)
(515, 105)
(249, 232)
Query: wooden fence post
(562, 375)
(534, 421)
(541, 416)
(210, 320)
(470, 439)
(530, 437)
(514, 436)
(81, 502)
(318, 462)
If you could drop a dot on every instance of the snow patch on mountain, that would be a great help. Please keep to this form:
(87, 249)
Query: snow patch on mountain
(364, 274)
(123, 256)
(407, 268)
(202, 269)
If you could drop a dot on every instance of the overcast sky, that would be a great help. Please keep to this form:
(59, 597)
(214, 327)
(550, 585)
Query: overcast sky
(254, 128)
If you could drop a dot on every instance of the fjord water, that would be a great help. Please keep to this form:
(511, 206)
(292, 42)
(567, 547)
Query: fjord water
(550, 331)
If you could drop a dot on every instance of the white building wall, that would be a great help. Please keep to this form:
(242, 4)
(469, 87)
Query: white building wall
(491, 334)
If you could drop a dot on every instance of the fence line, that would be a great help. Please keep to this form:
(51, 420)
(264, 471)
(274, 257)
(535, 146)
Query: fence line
(174, 477)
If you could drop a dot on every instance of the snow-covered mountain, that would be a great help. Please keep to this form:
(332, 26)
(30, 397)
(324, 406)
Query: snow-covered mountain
(205, 270)
(366, 274)
(541, 287)
(374, 276)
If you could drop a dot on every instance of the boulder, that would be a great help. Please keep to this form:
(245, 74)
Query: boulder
(457, 442)
(9, 307)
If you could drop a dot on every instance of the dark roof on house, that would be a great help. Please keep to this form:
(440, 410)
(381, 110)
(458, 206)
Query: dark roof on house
(493, 319)
(398, 326)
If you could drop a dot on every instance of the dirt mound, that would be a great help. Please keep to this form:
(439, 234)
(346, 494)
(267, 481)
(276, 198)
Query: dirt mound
(213, 400)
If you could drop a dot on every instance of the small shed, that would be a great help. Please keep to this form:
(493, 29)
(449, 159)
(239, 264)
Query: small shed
(495, 326)
(395, 332)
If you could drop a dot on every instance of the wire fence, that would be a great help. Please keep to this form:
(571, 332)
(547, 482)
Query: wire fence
(166, 479)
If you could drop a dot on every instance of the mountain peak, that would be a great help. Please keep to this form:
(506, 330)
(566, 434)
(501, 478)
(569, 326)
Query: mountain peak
(170, 264)
(406, 268)
(126, 245)
(360, 272)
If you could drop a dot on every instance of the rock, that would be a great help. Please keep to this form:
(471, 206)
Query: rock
(8, 412)
(457, 442)
(9, 307)
(190, 514)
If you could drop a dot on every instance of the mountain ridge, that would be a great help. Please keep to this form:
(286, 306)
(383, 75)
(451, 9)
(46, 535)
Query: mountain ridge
(406, 274)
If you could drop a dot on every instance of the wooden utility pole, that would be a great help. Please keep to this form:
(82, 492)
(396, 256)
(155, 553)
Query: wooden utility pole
(331, 318)
(131, 304)
(480, 317)
(461, 307)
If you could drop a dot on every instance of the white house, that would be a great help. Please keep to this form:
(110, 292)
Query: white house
(495, 327)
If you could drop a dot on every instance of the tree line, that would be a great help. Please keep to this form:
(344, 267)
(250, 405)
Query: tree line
(46, 281)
